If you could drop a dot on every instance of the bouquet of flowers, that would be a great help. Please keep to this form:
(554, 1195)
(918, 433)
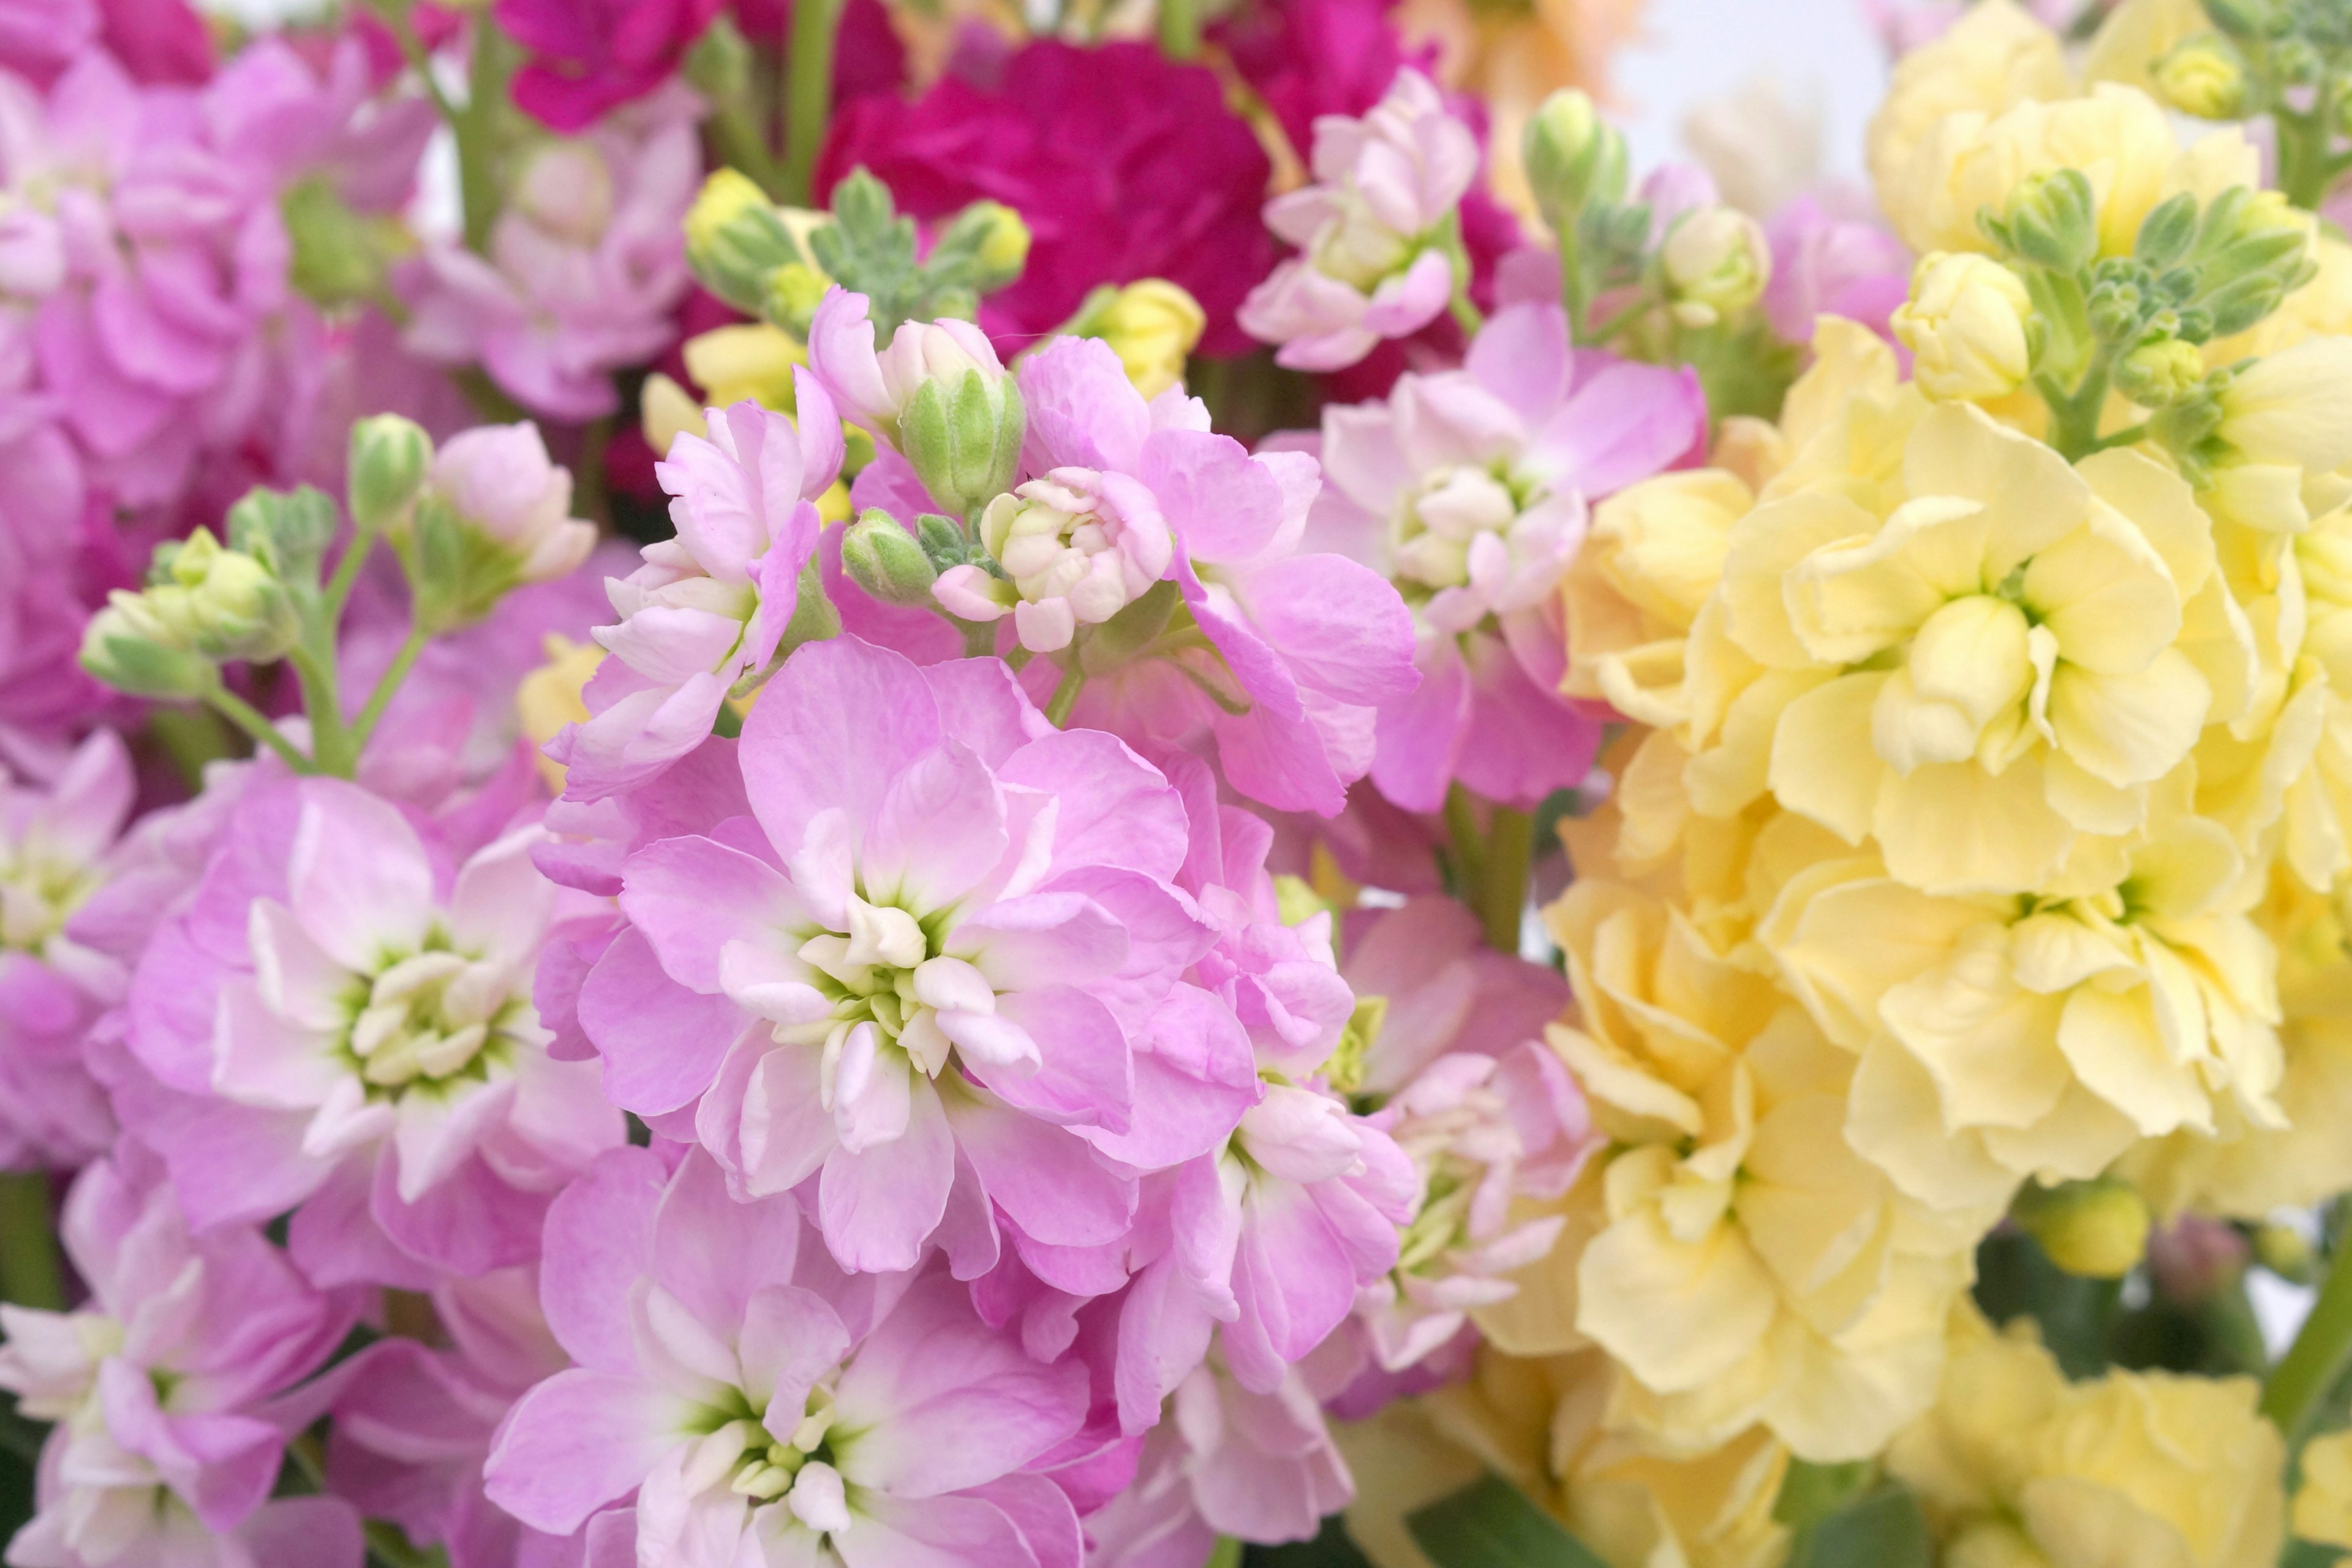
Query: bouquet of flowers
(1150, 785)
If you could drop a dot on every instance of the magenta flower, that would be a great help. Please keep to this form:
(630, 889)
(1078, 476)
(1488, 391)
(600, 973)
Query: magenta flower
(1123, 164)
(703, 616)
(590, 56)
(164, 1449)
(1375, 263)
(937, 927)
(1287, 653)
(339, 1026)
(765, 1408)
(1468, 489)
(586, 262)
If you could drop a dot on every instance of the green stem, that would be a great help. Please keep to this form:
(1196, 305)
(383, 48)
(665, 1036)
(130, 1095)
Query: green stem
(1179, 28)
(30, 1275)
(1575, 292)
(1467, 316)
(313, 660)
(2074, 418)
(808, 88)
(1469, 845)
(1227, 1553)
(1617, 323)
(2302, 157)
(2315, 1361)
(589, 497)
(1503, 893)
(386, 685)
(388, 1545)
(1065, 695)
(251, 720)
(476, 129)
(736, 129)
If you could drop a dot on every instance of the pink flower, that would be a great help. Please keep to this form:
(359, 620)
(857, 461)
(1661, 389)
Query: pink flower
(590, 56)
(1468, 488)
(57, 840)
(586, 262)
(764, 1407)
(339, 1026)
(935, 932)
(1287, 653)
(1444, 989)
(1375, 264)
(164, 1448)
(499, 479)
(1123, 164)
(704, 614)
(871, 390)
(1824, 264)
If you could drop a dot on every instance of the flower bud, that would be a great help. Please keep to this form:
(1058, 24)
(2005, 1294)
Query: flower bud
(1715, 261)
(885, 560)
(665, 411)
(226, 604)
(2204, 77)
(2287, 1252)
(1152, 325)
(961, 427)
(2096, 1229)
(753, 360)
(735, 238)
(1965, 325)
(1573, 157)
(2244, 19)
(286, 531)
(389, 458)
(118, 648)
(2161, 372)
(795, 292)
(497, 484)
(335, 259)
(999, 241)
(2050, 220)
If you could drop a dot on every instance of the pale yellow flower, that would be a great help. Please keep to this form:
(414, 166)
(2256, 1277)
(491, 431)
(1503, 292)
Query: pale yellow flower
(2139, 33)
(2017, 1466)
(1993, 666)
(749, 360)
(1965, 326)
(1994, 57)
(2006, 1038)
(2323, 1504)
(2321, 308)
(548, 698)
(1652, 557)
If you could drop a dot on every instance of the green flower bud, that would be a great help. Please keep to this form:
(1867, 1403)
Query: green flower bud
(795, 292)
(116, 648)
(2096, 1229)
(390, 459)
(2168, 232)
(288, 531)
(1574, 159)
(2203, 76)
(885, 560)
(998, 240)
(735, 237)
(2051, 221)
(1716, 262)
(2161, 372)
(2287, 1252)
(962, 435)
(720, 65)
(237, 607)
(2245, 19)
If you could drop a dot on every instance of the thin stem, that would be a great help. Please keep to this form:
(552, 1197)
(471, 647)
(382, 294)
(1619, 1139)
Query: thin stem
(313, 660)
(1502, 896)
(1469, 845)
(1598, 336)
(743, 146)
(1575, 292)
(1065, 695)
(2317, 1360)
(808, 90)
(2074, 417)
(476, 128)
(30, 1275)
(251, 720)
(386, 685)
(1467, 316)
(590, 494)
(2303, 156)
(1227, 1553)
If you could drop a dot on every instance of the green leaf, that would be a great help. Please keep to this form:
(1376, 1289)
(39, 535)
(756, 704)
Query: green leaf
(1883, 1530)
(1331, 1548)
(1491, 1523)
(1811, 1493)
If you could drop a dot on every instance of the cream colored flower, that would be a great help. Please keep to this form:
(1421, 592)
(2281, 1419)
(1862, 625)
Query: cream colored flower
(2016, 1467)
(2139, 33)
(1995, 57)
(1652, 558)
(1988, 670)
(1965, 326)
(2005, 1038)
(2323, 1504)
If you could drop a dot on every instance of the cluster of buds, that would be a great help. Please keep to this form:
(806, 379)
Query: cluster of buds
(2289, 59)
(202, 605)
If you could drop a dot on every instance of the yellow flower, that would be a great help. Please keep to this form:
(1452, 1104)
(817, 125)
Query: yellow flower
(2139, 33)
(1652, 557)
(1999, 664)
(2017, 1466)
(2321, 308)
(2323, 1504)
(1965, 326)
(548, 698)
(2006, 1038)
(750, 360)
(1152, 325)
(668, 411)
(1994, 57)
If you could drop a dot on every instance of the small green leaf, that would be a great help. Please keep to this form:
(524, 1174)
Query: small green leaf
(1811, 1493)
(1883, 1530)
(1331, 1548)
(1491, 1523)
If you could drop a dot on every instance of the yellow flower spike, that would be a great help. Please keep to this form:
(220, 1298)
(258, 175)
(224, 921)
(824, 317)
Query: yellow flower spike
(548, 698)
(1152, 325)
(750, 360)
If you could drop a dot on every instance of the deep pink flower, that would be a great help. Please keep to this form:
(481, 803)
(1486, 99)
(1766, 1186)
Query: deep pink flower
(590, 56)
(165, 1448)
(1123, 164)
(1468, 488)
(761, 1406)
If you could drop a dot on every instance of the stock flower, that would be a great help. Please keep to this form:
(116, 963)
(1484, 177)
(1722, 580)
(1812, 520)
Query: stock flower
(762, 1406)
(708, 609)
(499, 479)
(872, 390)
(1827, 263)
(1965, 325)
(164, 1447)
(1994, 57)
(335, 1025)
(1651, 563)
(938, 932)
(590, 56)
(2015, 1464)
(1467, 488)
(1374, 263)
(1441, 988)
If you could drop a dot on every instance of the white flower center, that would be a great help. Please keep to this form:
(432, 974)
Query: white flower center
(37, 893)
(435, 1014)
(1438, 524)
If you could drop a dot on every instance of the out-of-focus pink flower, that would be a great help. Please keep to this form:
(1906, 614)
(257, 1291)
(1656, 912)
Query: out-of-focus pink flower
(339, 1023)
(705, 612)
(936, 953)
(1468, 489)
(589, 58)
(56, 836)
(1826, 264)
(1375, 263)
(164, 1449)
(1445, 988)
(499, 479)
(1123, 164)
(585, 264)
(38, 38)
(158, 41)
(761, 1406)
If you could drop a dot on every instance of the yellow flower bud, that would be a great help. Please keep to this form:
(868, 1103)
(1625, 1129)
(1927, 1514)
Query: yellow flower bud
(753, 360)
(1153, 326)
(2159, 373)
(548, 698)
(666, 410)
(2203, 77)
(1716, 262)
(726, 195)
(1965, 326)
(2096, 1229)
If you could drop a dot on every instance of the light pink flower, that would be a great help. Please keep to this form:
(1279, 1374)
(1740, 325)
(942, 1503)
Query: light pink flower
(1443, 988)
(762, 1406)
(931, 938)
(586, 262)
(703, 617)
(341, 1024)
(1375, 262)
(165, 1450)
(1827, 262)
(499, 479)
(1468, 488)
(872, 389)
(1078, 546)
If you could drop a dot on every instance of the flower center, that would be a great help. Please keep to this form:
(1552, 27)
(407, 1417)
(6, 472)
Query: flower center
(1439, 524)
(434, 1014)
(37, 895)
